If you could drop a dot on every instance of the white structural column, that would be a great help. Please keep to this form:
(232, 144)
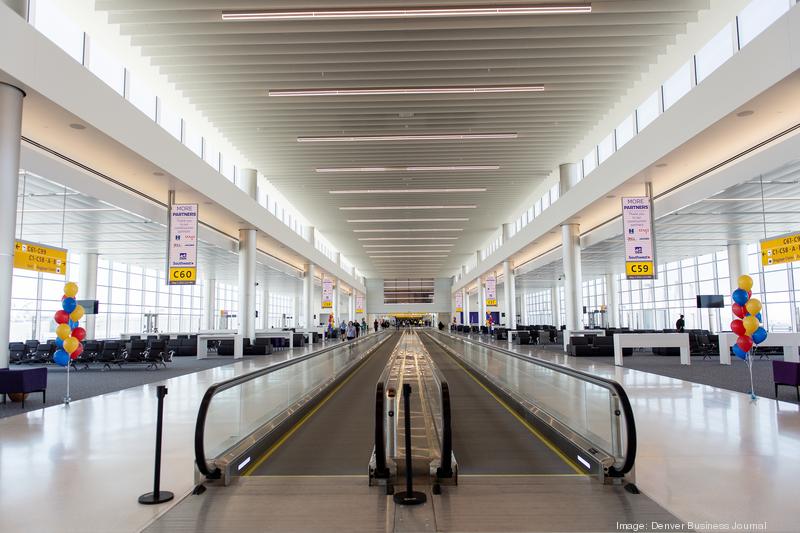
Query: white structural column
(612, 300)
(336, 294)
(351, 305)
(737, 263)
(573, 279)
(308, 296)
(10, 131)
(298, 299)
(567, 177)
(87, 288)
(248, 182)
(210, 315)
(310, 235)
(481, 303)
(508, 294)
(466, 307)
(555, 308)
(264, 312)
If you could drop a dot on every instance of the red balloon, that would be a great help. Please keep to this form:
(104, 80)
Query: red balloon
(61, 317)
(745, 343)
(738, 310)
(77, 352)
(736, 326)
(80, 333)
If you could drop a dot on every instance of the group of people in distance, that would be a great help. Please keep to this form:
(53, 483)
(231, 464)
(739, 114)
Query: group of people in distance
(352, 329)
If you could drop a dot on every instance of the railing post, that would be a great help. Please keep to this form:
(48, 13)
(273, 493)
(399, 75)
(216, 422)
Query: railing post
(158, 496)
(446, 468)
(408, 497)
(380, 447)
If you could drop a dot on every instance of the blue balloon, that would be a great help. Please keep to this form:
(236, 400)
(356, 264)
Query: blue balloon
(59, 342)
(61, 358)
(759, 335)
(758, 316)
(68, 304)
(738, 352)
(739, 296)
(74, 324)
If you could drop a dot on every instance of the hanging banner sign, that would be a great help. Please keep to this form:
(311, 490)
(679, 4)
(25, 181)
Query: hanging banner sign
(359, 304)
(637, 227)
(182, 260)
(781, 249)
(459, 302)
(327, 293)
(40, 258)
(491, 290)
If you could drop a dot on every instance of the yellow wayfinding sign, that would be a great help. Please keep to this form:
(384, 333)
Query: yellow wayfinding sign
(781, 249)
(40, 258)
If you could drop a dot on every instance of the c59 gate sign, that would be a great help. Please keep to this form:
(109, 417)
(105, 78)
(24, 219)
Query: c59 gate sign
(40, 258)
(637, 228)
(780, 249)
(182, 260)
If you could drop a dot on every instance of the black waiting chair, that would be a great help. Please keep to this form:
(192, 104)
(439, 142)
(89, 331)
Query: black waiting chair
(225, 347)
(111, 354)
(156, 354)
(44, 353)
(135, 352)
(91, 350)
(16, 352)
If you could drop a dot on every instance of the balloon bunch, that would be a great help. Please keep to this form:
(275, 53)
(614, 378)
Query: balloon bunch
(747, 325)
(69, 333)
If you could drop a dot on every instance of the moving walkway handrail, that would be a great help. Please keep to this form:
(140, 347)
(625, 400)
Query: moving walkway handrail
(216, 388)
(614, 387)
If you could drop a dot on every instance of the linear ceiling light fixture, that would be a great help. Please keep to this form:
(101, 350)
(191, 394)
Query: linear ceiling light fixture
(406, 191)
(407, 90)
(403, 230)
(448, 168)
(373, 220)
(417, 137)
(415, 12)
(403, 256)
(407, 245)
(400, 207)
(408, 239)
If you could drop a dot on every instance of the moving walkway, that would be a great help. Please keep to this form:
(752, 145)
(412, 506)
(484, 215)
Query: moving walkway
(286, 448)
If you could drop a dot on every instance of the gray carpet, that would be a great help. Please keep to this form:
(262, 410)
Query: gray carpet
(93, 382)
(735, 377)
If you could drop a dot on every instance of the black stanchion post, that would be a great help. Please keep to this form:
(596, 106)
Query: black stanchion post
(158, 495)
(409, 497)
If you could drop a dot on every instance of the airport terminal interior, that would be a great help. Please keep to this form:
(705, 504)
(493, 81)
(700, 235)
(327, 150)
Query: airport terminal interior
(399, 266)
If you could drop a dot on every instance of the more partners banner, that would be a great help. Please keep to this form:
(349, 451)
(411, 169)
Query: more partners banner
(327, 293)
(182, 260)
(459, 302)
(359, 304)
(491, 290)
(637, 224)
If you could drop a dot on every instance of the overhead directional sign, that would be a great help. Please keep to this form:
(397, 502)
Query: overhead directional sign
(459, 302)
(637, 227)
(781, 249)
(40, 258)
(491, 290)
(182, 260)
(327, 293)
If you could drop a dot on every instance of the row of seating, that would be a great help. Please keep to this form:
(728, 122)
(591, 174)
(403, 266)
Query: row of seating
(594, 346)
(151, 353)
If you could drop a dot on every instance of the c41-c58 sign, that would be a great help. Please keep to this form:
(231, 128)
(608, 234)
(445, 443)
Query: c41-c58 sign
(40, 258)
(781, 249)
(637, 228)
(182, 267)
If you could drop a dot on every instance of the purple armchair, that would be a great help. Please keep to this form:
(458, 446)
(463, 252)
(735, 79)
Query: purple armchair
(23, 381)
(786, 373)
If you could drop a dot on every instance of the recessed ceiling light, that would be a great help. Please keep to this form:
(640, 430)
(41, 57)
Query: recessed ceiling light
(158, 173)
(401, 207)
(403, 230)
(447, 168)
(372, 220)
(407, 90)
(77, 126)
(745, 113)
(610, 196)
(417, 137)
(406, 191)
(415, 12)
(661, 165)
(408, 239)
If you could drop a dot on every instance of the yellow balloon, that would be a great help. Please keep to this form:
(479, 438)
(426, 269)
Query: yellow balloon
(753, 306)
(77, 314)
(745, 282)
(750, 324)
(71, 344)
(63, 331)
(71, 289)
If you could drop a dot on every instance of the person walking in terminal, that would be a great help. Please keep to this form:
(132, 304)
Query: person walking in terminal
(342, 329)
(364, 326)
(357, 327)
(375, 325)
(680, 324)
(351, 331)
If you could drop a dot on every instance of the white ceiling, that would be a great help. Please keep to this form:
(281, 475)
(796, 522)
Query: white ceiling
(585, 62)
(94, 226)
(707, 226)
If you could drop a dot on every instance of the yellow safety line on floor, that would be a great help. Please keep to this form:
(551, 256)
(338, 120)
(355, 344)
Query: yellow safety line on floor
(523, 475)
(521, 420)
(302, 421)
